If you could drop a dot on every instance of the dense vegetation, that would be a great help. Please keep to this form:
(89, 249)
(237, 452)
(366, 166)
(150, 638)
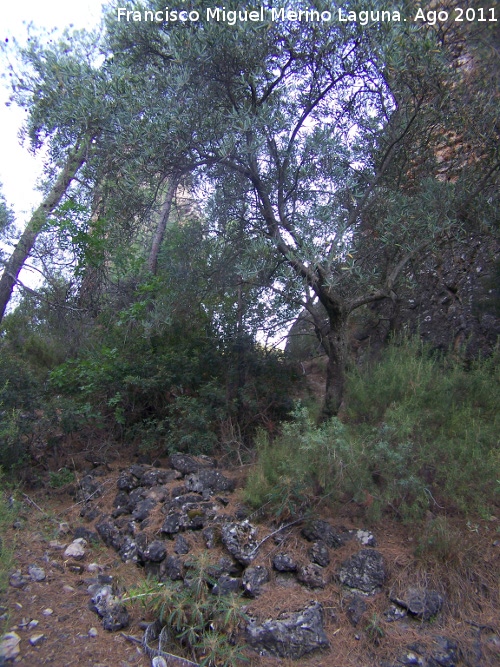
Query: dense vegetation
(205, 184)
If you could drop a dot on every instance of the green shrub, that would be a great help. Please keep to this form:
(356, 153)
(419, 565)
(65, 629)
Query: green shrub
(202, 625)
(421, 433)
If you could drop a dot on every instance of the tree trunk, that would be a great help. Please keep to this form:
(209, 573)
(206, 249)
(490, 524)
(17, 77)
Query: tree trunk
(28, 237)
(162, 225)
(336, 345)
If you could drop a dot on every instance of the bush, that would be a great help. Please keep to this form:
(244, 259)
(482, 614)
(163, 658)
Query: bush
(202, 625)
(421, 433)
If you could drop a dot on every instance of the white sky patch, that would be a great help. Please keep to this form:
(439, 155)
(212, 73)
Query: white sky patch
(19, 170)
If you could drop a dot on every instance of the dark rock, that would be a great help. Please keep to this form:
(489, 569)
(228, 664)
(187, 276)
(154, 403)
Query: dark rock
(187, 464)
(109, 607)
(284, 563)
(135, 496)
(229, 566)
(242, 512)
(127, 481)
(320, 530)
(226, 585)
(88, 489)
(210, 537)
(181, 545)
(253, 579)
(446, 655)
(173, 568)
(208, 480)
(292, 635)
(319, 554)
(143, 509)
(364, 571)
(239, 540)
(110, 534)
(86, 534)
(171, 524)
(355, 609)
(311, 575)
(129, 553)
(137, 470)
(154, 552)
(158, 477)
(121, 500)
(394, 613)
(89, 512)
(421, 603)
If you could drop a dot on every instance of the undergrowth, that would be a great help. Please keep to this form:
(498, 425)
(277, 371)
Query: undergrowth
(420, 433)
(202, 626)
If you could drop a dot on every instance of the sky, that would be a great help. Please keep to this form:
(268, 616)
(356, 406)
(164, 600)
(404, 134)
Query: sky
(19, 170)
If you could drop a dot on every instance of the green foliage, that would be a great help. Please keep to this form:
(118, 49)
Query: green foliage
(300, 464)
(421, 433)
(7, 515)
(374, 630)
(205, 626)
(61, 477)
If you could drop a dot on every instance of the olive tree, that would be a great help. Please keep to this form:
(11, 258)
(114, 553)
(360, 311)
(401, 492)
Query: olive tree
(321, 136)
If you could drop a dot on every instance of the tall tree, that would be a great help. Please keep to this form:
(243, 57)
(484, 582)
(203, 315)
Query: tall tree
(316, 129)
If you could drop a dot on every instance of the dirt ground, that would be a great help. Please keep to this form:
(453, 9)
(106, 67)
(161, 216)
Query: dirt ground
(73, 634)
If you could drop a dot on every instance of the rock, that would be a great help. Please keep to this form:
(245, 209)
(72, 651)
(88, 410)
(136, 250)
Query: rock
(311, 575)
(210, 537)
(283, 562)
(110, 608)
(154, 552)
(36, 573)
(158, 661)
(9, 646)
(355, 609)
(158, 477)
(226, 584)
(292, 635)
(187, 464)
(364, 571)
(366, 538)
(171, 525)
(253, 579)
(173, 568)
(127, 481)
(48, 611)
(319, 554)
(143, 509)
(63, 528)
(110, 534)
(88, 535)
(76, 549)
(208, 480)
(320, 530)
(92, 632)
(129, 552)
(394, 613)
(447, 654)
(17, 580)
(181, 545)
(239, 540)
(88, 489)
(35, 640)
(421, 603)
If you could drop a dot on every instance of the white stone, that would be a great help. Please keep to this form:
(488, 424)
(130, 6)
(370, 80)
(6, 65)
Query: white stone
(9, 646)
(48, 612)
(36, 639)
(76, 549)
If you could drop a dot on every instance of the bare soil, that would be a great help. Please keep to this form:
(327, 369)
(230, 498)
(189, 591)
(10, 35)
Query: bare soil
(469, 581)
